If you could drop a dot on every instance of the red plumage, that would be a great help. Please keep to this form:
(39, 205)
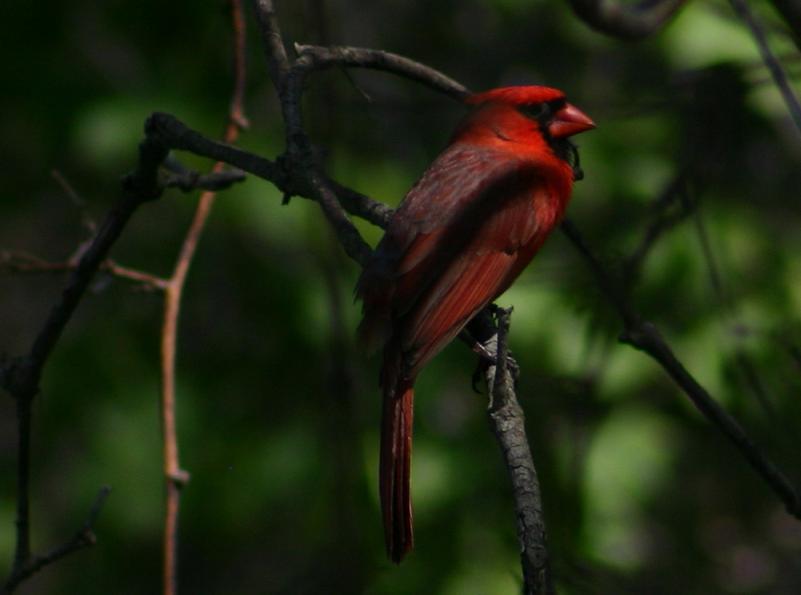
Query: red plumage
(459, 239)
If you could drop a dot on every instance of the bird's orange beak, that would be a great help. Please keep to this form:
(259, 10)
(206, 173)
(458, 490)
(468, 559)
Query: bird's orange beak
(568, 121)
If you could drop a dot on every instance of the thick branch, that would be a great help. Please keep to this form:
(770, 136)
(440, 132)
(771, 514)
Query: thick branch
(301, 159)
(291, 181)
(626, 21)
(191, 180)
(507, 420)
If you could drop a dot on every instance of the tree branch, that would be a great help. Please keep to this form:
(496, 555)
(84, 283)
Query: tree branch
(273, 41)
(83, 538)
(21, 376)
(288, 179)
(321, 58)
(665, 217)
(24, 263)
(773, 64)
(644, 336)
(175, 477)
(301, 157)
(626, 21)
(507, 422)
(192, 180)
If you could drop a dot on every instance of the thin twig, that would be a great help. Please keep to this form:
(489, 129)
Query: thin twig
(76, 199)
(353, 57)
(664, 219)
(773, 64)
(21, 376)
(175, 477)
(83, 538)
(729, 319)
(24, 263)
(644, 336)
(273, 41)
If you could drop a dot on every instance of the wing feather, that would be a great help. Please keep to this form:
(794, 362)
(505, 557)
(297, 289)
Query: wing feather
(453, 245)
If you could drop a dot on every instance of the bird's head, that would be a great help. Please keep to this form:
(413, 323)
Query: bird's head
(513, 113)
(548, 106)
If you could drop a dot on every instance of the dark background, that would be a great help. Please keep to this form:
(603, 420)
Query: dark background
(277, 409)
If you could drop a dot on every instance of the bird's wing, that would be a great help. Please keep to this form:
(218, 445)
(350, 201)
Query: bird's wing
(501, 247)
(450, 247)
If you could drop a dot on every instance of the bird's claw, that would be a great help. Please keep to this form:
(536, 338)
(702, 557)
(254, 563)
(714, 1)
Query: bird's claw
(487, 359)
(484, 354)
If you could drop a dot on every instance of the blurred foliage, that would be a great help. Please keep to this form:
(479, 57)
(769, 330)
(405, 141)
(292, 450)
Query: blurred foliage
(278, 412)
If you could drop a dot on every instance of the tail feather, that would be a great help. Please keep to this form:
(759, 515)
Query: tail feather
(395, 470)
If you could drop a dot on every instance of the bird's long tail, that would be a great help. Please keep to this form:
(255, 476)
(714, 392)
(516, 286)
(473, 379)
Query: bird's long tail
(395, 468)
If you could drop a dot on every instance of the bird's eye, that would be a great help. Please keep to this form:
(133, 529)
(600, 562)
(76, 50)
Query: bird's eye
(543, 112)
(535, 111)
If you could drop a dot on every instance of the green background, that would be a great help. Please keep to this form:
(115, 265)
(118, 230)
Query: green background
(277, 409)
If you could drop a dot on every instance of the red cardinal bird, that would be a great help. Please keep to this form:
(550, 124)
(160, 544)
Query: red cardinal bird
(460, 238)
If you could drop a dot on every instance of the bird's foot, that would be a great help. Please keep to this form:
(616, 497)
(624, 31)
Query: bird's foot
(486, 359)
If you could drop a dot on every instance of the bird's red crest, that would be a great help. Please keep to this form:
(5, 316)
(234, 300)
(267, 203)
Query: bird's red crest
(516, 95)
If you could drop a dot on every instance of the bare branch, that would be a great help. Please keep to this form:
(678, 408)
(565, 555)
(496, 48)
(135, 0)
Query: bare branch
(76, 199)
(349, 237)
(177, 135)
(773, 64)
(22, 262)
(22, 380)
(327, 57)
(301, 159)
(644, 336)
(299, 149)
(508, 424)
(146, 281)
(624, 20)
(727, 315)
(274, 49)
(83, 538)
(171, 132)
(665, 218)
(188, 180)
(21, 376)
(174, 476)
